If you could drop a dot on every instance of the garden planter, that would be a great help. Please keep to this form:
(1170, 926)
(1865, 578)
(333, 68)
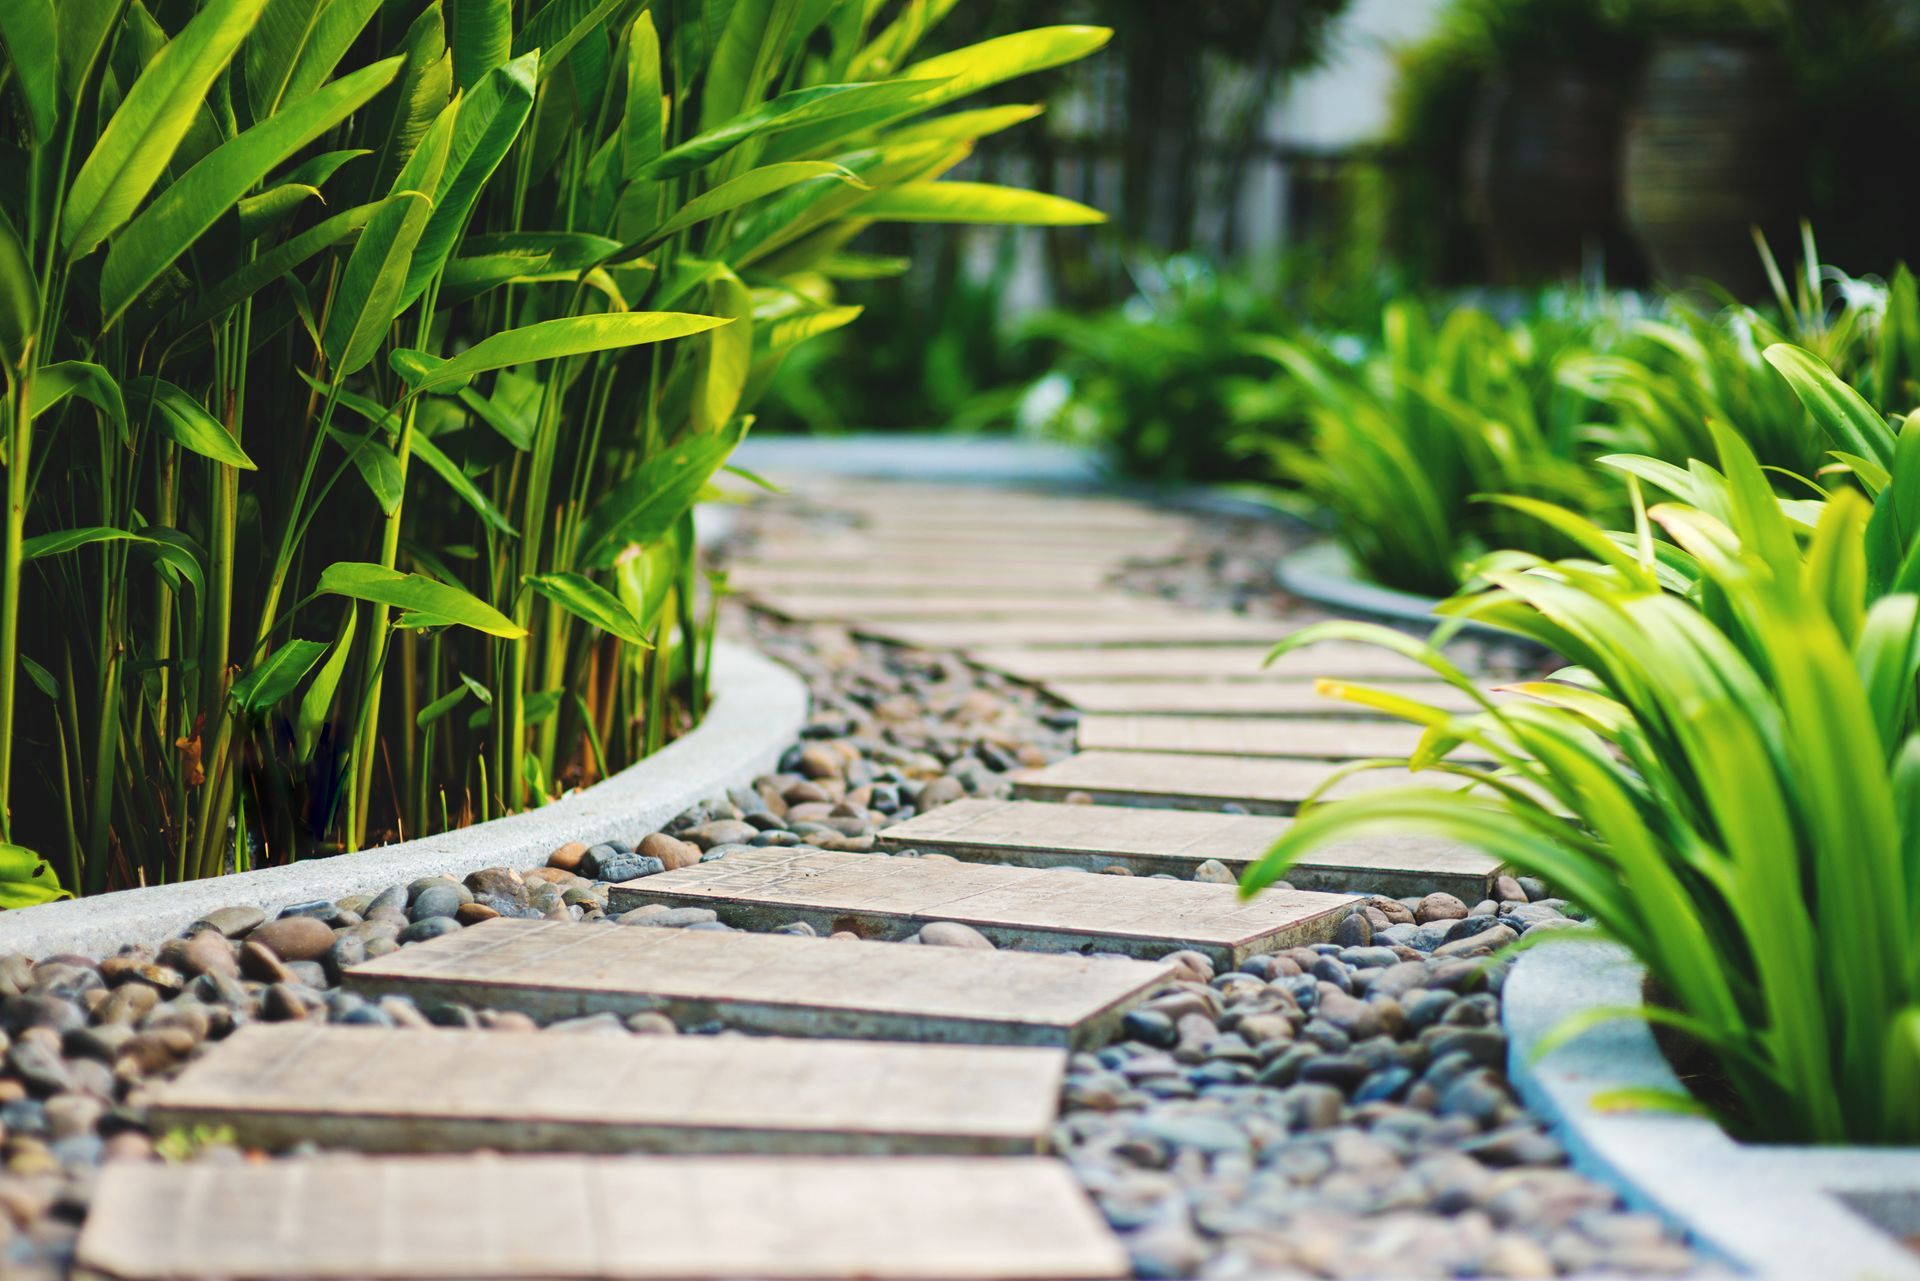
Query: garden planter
(758, 708)
(1801, 1212)
(1540, 165)
(1710, 152)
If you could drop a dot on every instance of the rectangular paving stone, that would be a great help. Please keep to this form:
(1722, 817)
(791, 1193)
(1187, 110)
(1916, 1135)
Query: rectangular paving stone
(874, 895)
(1208, 662)
(983, 605)
(1298, 737)
(575, 1218)
(438, 1090)
(770, 983)
(1263, 785)
(748, 577)
(1047, 834)
(1244, 698)
(1150, 628)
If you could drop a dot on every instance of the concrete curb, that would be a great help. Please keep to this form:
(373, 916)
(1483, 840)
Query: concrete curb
(920, 456)
(1774, 1212)
(758, 710)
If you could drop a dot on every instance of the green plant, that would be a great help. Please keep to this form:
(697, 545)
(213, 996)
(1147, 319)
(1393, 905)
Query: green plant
(363, 362)
(1160, 383)
(1727, 778)
(1403, 439)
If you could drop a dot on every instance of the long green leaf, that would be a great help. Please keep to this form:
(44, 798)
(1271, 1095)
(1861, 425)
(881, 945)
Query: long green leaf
(19, 308)
(26, 879)
(134, 148)
(559, 28)
(584, 598)
(751, 186)
(647, 505)
(183, 212)
(976, 202)
(795, 107)
(286, 256)
(489, 120)
(482, 38)
(316, 706)
(276, 676)
(297, 45)
(547, 340)
(643, 125)
(370, 293)
(417, 594)
(28, 33)
(185, 421)
(54, 383)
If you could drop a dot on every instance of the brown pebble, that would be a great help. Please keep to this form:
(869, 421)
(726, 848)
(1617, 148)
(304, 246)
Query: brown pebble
(257, 962)
(294, 938)
(473, 913)
(670, 850)
(567, 857)
(1507, 890)
(1439, 906)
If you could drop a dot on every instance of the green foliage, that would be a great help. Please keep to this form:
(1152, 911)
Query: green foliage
(1725, 777)
(357, 353)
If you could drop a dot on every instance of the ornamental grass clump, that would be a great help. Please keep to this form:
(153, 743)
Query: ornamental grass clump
(363, 363)
(1727, 777)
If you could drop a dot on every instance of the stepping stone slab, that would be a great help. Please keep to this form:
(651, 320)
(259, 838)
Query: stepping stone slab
(1151, 627)
(1046, 834)
(889, 580)
(1260, 784)
(433, 1090)
(770, 983)
(874, 895)
(1244, 698)
(642, 1218)
(1210, 662)
(864, 609)
(1285, 736)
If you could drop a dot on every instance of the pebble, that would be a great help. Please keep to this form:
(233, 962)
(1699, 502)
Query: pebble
(672, 852)
(954, 934)
(293, 938)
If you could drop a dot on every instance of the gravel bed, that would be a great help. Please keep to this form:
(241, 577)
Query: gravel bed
(1333, 1111)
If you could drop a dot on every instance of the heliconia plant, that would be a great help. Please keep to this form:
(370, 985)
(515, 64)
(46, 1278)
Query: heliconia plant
(1727, 776)
(364, 360)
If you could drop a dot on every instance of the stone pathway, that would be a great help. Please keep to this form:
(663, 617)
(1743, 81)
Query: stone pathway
(760, 1151)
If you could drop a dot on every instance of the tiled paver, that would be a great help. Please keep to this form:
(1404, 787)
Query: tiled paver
(1258, 784)
(884, 581)
(1244, 698)
(1056, 607)
(771, 983)
(1300, 737)
(1150, 628)
(876, 895)
(644, 1218)
(1209, 662)
(1048, 834)
(440, 1090)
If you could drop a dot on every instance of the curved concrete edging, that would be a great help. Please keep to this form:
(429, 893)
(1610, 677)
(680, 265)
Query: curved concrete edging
(1323, 572)
(758, 710)
(1776, 1212)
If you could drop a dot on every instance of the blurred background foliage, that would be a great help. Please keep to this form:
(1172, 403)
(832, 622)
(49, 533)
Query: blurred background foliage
(1596, 145)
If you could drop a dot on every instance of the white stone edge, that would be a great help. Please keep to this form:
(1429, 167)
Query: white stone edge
(1322, 572)
(757, 711)
(1770, 1211)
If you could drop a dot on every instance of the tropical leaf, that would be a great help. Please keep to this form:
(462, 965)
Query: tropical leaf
(180, 418)
(28, 33)
(647, 505)
(276, 676)
(482, 38)
(183, 212)
(372, 285)
(976, 202)
(54, 383)
(19, 294)
(751, 186)
(430, 603)
(138, 142)
(546, 340)
(790, 109)
(586, 599)
(296, 46)
(26, 879)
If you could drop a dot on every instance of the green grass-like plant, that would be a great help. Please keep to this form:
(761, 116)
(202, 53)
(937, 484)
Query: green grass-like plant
(1727, 777)
(363, 362)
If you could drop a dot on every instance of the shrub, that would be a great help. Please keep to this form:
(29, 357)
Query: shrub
(363, 363)
(1727, 778)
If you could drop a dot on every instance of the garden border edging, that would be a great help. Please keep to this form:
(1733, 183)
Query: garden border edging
(1773, 1211)
(757, 711)
(1322, 572)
